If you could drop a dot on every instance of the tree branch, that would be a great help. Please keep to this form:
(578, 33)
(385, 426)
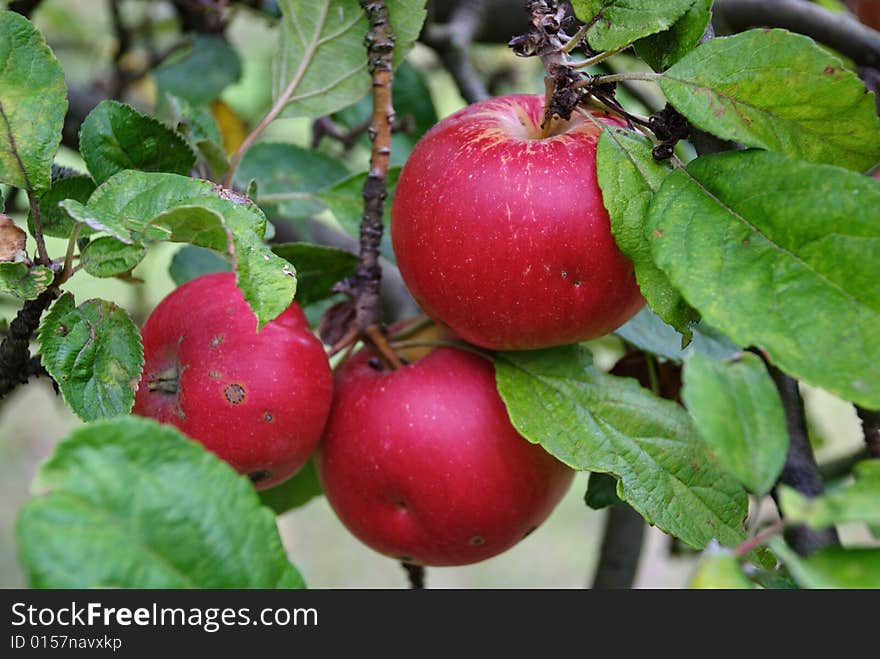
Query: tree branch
(24, 7)
(16, 364)
(621, 548)
(123, 44)
(840, 31)
(842, 466)
(452, 42)
(800, 471)
(360, 316)
(871, 428)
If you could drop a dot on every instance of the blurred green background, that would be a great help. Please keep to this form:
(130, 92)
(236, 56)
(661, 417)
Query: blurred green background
(562, 553)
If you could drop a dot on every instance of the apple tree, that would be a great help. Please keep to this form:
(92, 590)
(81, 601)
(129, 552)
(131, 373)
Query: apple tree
(687, 185)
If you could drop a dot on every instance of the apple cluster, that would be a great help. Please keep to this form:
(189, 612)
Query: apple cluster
(501, 235)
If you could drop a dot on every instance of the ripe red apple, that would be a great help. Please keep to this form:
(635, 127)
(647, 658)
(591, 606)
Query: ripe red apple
(422, 463)
(257, 400)
(502, 235)
(868, 12)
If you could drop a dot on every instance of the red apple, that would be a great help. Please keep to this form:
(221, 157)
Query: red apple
(422, 463)
(868, 12)
(257, 400)
(502, 235)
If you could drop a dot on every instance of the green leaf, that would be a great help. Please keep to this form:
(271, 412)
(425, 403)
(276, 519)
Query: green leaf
(322, 54)
(134, 504)
(773, 580)
(629, 176)
(107, 257)
(647, 332)
(739, 415)
(832, 567)
(780, 254)
(345, 199)
(616, 23)
(209, 67)
(317, 268)
(194, 122)
(94, 353)
(134, 206)
(601, 491)
(115, 137)
(288, 176)
(594, 421)
(858, 501)
(664, 49)
(190, 262)
(33, 102)
(778, 91)
(56, 222)
(719, 570)
(199, 127)
(294, 492)
(24, 282)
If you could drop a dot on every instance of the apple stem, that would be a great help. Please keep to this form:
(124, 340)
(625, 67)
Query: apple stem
(165, 381)
(439, 343)
(415, 573)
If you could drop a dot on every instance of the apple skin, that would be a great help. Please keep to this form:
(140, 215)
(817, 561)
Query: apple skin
(503, 237)
(257, 400)
(422, 463)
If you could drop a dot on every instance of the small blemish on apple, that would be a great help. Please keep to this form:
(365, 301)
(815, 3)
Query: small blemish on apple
(268, 418)
(235, 393)
(658, 233)
(477, 540)
(217, 340)
(215, 375)
(259, 476)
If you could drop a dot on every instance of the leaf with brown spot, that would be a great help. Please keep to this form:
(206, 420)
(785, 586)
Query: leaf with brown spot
(97, 358)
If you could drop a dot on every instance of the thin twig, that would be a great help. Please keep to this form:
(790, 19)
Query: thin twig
(621, 548)
(452, 43)
(67, 270)
(646, 76)
(759, 538)
(37, 218)
(601, 57)
(123, 44)
(438, 343)
(800, 471)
